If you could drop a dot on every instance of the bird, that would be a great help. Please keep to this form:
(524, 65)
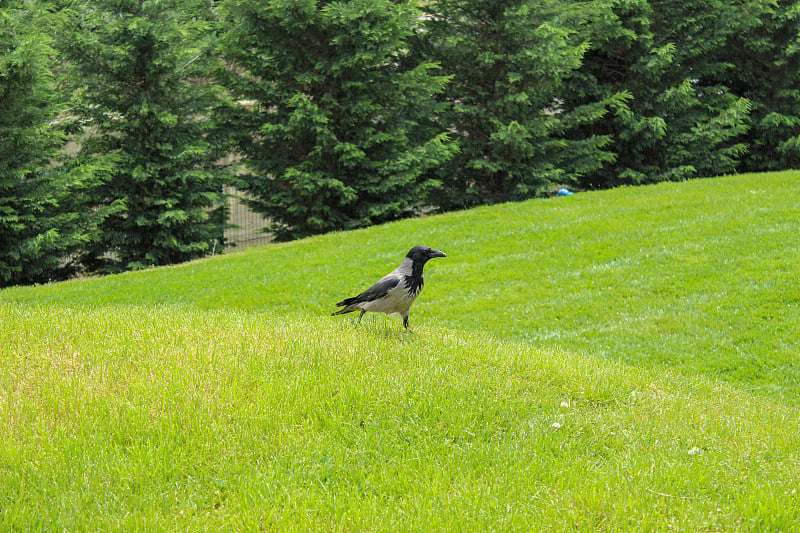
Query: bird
(396, 291)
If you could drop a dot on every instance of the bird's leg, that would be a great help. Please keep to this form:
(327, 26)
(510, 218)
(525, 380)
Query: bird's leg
(405, 322)
(361, 315)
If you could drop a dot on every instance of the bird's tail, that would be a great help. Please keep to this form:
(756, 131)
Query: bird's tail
(345, 311)
(346, 303)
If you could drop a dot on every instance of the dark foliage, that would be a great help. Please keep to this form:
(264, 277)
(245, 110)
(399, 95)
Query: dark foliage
(354, 112)
(139, 67)
(679, 119)
(338, 135)
(45, 215)
(509, 60)
(765, 69)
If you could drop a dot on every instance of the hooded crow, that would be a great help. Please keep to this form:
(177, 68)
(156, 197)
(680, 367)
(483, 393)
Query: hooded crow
(396, 291)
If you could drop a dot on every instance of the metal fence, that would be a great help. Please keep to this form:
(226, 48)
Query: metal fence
(247, 224)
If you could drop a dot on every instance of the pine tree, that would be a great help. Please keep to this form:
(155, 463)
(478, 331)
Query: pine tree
(138, 66)
(678, 119)
(508, 60)
(44, 215)
(339, 135)
(766, 71)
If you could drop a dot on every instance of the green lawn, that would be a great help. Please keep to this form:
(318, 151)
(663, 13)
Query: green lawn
(172, 419)
(623, 360)
(699, 276)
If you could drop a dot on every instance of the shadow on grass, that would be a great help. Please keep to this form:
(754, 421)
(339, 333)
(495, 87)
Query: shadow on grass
(383, 327)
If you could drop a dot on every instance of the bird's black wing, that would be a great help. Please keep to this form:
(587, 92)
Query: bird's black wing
(376, 292)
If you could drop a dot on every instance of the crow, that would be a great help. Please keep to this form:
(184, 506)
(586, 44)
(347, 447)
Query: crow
(396, 291)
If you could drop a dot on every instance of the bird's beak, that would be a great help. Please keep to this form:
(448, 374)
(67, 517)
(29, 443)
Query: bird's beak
(436, 253)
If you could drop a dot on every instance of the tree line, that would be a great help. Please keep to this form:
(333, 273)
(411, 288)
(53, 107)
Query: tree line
(351, 113)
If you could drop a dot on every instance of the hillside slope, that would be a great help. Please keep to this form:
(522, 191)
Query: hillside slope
(164, 419)
(699, 276)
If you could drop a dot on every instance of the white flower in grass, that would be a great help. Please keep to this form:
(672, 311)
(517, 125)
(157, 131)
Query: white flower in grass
(555, 425)
(694, 450)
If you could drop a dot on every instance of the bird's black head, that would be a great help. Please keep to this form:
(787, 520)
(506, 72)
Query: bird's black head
(421, 254)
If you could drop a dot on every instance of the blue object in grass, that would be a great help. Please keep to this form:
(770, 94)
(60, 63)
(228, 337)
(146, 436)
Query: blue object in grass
(565, 192)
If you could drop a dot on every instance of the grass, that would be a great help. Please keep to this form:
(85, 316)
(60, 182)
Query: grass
(615, 361)
(117, 419)
(698, 276)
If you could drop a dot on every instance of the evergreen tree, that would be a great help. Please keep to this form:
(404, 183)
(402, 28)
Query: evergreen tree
(139, 67)
(339, 134)
(44, 215)
(679, 119)
(508, 59)
(766, 71)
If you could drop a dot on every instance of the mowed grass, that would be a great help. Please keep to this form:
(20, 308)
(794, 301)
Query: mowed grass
(157, 417)
(623, 360)
(701, 277)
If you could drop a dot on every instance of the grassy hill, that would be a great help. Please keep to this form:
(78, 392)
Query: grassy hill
(700, 276)
(614, 361)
